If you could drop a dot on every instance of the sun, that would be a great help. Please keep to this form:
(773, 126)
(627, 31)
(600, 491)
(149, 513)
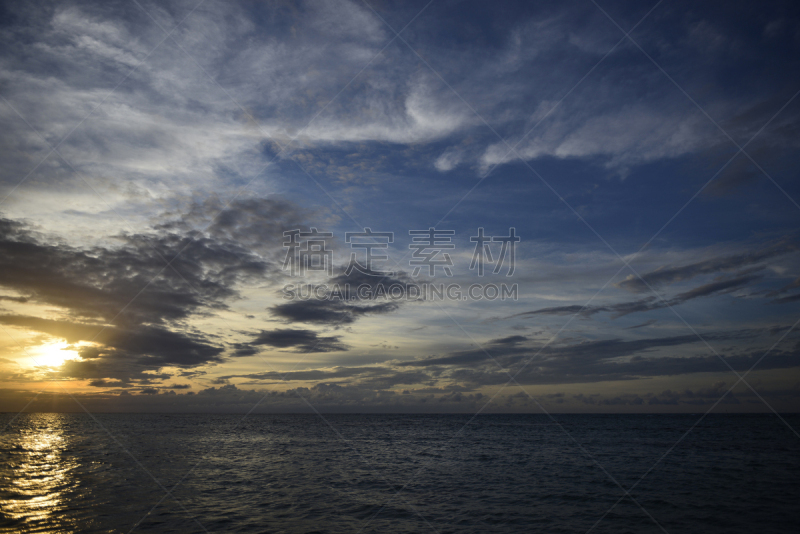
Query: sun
(52, 354)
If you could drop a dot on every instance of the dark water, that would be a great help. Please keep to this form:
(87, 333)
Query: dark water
(398, 473)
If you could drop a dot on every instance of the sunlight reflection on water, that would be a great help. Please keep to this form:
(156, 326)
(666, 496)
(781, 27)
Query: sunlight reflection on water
(41, 473)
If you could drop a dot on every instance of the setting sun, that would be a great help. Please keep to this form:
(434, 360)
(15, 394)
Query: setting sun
(52, 354)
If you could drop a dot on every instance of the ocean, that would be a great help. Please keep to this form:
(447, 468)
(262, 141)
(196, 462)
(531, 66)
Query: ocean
(399, 473)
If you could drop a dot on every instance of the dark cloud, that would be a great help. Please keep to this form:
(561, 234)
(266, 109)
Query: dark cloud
(503, 347)
(642, 325)
(360, 388)
(132, 280)
(344, 298)
(788, 298)
(648, 303)
(119, 370)
(572, 309)
(739, 173)
(733, 262)
(14, 299)
(783, 134)
(368, 278)
(257, 224)
(338, 398)
(103, 383)
(374, 378)
(794, 284)
(510, 340)
(396, 378)
(667, 397)
(328, 312)
(713, 288)
(601, 360)
(628, 398)
(299, 340)
(315, 375)
(575, 355)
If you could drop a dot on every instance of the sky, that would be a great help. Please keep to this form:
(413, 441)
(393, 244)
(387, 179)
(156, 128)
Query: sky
(604, 193)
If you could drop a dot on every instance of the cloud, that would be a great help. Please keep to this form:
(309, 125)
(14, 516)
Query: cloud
(324, 375)
(101, 282)
(126, 307)
(626, 136)
(794, 284)
(256, 224)
(170, 123)
(299, 340)
(367, 378)
(449, 159)
(501, 347)
(281, 73)
(103, 383)
(648, 303)
(345, 299)
(335, 398)
(642, 325)
(600, 360)
(146, 345)
(328, 312)
(717, 392)
(13, 299)
(787, 299)
(721, 264)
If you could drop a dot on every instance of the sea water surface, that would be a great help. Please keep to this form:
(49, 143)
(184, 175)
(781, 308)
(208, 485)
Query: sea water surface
(398, 473)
